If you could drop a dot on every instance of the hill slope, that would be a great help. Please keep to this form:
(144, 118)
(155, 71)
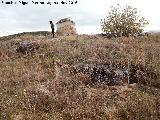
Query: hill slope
(39, 85)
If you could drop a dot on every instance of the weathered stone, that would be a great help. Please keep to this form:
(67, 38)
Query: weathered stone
(26, 47)
(141, 74)
(102, 73)
(66, 27)
(116, 74)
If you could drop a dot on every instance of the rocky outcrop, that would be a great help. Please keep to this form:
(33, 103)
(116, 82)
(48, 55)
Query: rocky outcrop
(115, 74)
(102, 73)
(26, 47)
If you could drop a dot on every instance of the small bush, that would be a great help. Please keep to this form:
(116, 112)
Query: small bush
(123, 21)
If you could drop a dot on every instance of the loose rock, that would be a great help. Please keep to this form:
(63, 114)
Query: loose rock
(26, 47)
(102, 73)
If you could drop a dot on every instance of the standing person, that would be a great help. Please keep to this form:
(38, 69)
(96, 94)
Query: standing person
(52, 27)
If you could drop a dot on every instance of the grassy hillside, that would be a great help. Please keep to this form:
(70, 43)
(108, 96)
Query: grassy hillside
(34, 87)
(37, 33)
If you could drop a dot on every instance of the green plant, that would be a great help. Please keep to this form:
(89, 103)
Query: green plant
(123, 21)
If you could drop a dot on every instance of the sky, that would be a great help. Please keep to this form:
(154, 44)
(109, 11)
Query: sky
(87, 14)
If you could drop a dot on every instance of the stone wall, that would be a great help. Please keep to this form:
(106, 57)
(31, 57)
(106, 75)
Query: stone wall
(66, 27)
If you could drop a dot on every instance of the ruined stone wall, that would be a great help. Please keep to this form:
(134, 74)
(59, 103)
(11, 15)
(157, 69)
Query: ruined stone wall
(67, 23)
(66, 28)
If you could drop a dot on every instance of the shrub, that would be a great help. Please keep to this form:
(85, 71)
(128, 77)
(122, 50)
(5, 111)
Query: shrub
(123, 21)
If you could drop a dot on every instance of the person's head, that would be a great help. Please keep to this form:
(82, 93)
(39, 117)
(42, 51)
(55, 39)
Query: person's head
(50, 22)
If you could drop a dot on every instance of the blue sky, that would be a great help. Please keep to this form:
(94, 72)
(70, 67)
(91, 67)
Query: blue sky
(86, 14)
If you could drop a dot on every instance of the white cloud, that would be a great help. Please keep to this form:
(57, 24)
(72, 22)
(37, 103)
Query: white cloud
(87, 15)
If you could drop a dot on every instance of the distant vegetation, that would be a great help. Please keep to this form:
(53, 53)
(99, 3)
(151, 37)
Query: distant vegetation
(123, 21)
(37, 33)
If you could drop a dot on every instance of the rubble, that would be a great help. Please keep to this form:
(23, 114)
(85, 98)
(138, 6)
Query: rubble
(102, 73)
(26, 47)
(115, 74)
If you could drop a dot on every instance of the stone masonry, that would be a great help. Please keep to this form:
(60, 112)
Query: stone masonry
(66, 27)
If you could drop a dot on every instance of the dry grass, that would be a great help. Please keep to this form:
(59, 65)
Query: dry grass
(34, 87)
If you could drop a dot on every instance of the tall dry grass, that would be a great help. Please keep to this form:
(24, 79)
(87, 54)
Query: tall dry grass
(40, 86)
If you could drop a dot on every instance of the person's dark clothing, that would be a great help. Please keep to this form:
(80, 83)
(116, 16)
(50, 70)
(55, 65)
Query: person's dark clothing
(52, 27)
(53, 32)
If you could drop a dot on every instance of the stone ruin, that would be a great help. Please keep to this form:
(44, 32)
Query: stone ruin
(26, 47)
(100, 73)
(66, 27)
(115, 74)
